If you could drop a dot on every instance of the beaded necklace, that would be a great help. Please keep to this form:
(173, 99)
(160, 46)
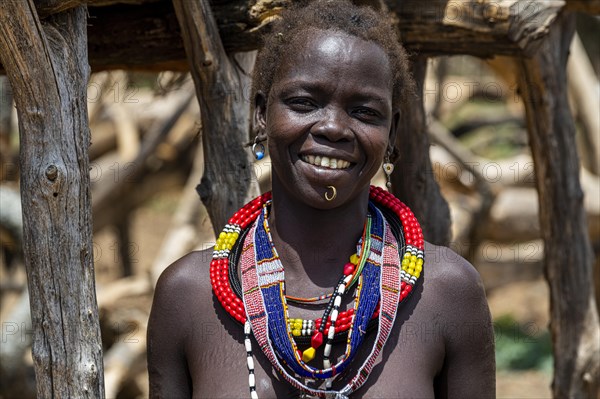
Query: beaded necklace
(230, 290)
(392, 290)
(270, 278)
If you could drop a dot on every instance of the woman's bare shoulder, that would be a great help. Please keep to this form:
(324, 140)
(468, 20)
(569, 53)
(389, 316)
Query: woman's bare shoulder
(187, 272)
(447, 270)
(184, 284)
(453, 287)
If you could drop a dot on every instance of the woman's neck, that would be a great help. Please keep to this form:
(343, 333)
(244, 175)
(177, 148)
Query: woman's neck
(313, 244)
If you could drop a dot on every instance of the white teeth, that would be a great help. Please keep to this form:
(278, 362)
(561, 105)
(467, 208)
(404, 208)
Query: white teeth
(331, 163)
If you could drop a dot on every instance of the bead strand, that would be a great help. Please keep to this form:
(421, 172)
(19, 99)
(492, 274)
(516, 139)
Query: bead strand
(334, 315)
(250, 360)
(317, 338)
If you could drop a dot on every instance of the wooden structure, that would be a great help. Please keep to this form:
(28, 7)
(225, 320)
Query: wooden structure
(43, 51)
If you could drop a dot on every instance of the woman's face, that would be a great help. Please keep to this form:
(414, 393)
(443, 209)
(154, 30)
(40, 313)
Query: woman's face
(328, 117)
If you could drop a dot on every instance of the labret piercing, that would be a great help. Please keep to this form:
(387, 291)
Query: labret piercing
(333, 195)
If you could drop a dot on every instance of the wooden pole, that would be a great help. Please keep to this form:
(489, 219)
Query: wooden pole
(222, 91)
(568, 253)
(48, 70)
(413, 181)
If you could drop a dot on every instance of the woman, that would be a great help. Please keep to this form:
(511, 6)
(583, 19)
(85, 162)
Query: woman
(230, 323)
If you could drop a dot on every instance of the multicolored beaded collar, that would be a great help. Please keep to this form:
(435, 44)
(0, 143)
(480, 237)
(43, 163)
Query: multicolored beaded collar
(382, 283)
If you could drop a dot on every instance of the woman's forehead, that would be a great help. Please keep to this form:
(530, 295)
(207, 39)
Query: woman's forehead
(328, 54)
(318, 42)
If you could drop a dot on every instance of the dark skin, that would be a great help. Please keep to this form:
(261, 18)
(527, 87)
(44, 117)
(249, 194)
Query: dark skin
(331, 98)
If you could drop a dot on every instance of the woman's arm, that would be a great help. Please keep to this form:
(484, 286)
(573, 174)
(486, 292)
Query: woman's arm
(167, 329)
(469, 369)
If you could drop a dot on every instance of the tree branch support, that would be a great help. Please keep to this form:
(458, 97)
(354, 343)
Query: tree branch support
(48, 70)
(568, 253)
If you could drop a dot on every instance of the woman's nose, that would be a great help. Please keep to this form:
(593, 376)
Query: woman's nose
(334, 125)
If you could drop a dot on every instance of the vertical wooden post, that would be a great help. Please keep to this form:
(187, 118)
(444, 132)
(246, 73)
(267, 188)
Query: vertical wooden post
(413, 181)
(222, 91)
(5, 129)
(48, 70)
(568, 254)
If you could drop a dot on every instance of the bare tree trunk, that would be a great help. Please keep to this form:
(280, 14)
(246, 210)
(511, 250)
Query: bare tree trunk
(413, 181)
(224, 110)
(48, 70)
(568, 254)
(6, 100)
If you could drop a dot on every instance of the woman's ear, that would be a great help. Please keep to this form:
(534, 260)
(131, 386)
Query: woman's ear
(259, 120)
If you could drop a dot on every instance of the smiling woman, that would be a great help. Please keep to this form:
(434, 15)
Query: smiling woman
(324, 287)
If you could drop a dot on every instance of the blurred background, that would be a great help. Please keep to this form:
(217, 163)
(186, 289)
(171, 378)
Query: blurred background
(146, 160)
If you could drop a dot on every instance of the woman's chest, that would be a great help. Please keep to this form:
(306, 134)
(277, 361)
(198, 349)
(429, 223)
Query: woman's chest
(405, 368)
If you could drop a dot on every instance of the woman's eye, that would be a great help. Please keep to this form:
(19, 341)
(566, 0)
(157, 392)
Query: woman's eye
(301, 104)
(366, 113)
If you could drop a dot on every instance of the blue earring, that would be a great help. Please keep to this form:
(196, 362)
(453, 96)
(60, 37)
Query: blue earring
(258, 149)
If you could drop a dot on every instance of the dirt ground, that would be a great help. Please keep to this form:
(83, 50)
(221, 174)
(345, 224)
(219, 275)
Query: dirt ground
(525, 301)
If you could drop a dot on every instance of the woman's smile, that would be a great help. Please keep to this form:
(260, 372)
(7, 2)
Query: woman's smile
(324, 171)
(325, 162)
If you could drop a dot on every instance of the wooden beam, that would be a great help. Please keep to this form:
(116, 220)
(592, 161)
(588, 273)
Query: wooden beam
(591, 7)
(133, 36)
(568, 253)
(49, 7)
(481, 28)
(48, 70)
(46, 8)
